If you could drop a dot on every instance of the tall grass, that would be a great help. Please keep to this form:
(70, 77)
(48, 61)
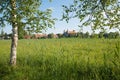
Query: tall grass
(62, 59)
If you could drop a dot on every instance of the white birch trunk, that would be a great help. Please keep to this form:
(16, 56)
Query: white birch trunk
(14, 34)
(14, 47)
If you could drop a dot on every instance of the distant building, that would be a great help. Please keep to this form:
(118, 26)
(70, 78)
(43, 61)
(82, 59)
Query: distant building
(55, 36)
(68, 33)
(27, 37)
(38, 36)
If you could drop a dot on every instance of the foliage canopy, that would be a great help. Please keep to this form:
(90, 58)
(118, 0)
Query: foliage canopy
(28, 15)
(97, 13)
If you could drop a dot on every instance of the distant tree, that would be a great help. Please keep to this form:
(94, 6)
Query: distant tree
(60, 35)
(2, 32)
(6, 36)
(94, 13)
(117, 35)
(105, 35)
(80, 34)
(51, 35)
(94, 35)
(10, 35)
(21, 33)
(65, 33)
(113, 35)
(23, 13)
(86, 35)
(101, 35)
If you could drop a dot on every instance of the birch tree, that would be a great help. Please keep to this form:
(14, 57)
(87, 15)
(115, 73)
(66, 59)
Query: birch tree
(95, 13)
(14, 33)
(23, 13)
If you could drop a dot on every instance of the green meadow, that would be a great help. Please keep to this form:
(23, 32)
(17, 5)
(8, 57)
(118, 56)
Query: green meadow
(62, 59)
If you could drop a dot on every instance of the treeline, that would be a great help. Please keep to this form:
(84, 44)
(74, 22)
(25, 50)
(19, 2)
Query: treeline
(5, 36)
(110, 35)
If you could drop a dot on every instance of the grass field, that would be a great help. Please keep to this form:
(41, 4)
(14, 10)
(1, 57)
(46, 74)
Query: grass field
(62, 59)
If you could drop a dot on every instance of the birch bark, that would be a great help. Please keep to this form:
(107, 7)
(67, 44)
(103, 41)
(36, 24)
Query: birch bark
(14, 34)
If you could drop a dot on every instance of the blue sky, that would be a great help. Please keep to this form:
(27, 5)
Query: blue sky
(60, 26)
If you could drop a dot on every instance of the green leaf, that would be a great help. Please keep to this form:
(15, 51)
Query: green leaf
(103, 12)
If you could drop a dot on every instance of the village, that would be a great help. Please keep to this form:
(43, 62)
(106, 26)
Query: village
(66, 34)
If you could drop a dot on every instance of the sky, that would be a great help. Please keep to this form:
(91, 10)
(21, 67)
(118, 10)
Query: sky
(60, 26)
